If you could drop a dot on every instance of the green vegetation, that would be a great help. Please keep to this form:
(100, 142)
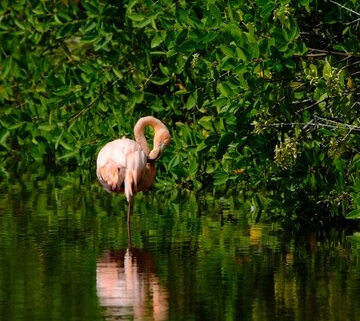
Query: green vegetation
(261, 96)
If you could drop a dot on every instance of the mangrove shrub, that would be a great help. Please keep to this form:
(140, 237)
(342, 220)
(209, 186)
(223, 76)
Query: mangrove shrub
(261, 96)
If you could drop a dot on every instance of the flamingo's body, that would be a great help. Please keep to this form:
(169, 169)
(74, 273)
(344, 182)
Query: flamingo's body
(121, 166)
(127, 166)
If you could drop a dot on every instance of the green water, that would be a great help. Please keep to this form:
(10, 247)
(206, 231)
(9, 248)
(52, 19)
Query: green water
(65, 255)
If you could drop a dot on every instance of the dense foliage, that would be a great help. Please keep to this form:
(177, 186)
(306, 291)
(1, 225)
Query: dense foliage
(261, 95)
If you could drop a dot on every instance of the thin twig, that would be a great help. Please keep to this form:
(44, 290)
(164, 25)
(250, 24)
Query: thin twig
(308, 107)
(351, 22)
(318, 121)
(147, 81)
(348, 9)
(321, 52)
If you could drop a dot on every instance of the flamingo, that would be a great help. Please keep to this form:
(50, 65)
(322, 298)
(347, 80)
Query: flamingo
(127, 166)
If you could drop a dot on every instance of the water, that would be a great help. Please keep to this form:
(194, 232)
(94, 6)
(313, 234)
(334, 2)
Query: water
(65, 254)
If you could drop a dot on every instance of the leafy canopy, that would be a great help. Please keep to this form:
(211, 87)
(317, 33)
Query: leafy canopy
(261, 96)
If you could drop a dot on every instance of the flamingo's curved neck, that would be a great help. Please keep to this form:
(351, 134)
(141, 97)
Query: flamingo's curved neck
(139, 130)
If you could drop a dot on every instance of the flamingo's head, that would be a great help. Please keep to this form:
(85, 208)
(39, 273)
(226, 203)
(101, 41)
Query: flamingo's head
(161, 140)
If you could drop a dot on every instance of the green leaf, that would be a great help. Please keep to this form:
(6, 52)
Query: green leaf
(193, 166)
(69, 155)
(171, 53)
(207, 122)
(355, 214)
(159, 81)
(241, 54)
(156, 41)
(136, 17)
(221, 178)
(118, 73)
(187, 46)
(215, 12)
(181, 92)
(191, 102)
(182, 16)
(212, 140)
(20, 25)
(237, 33)
(139, 96)
(64, 90)
(11, 126)
(66, 145)
(212, 166)
(223, 145)
(293, 32)
(46, 127)
(327, 69)
(267, 9)
(181, 36)
(228, 51)
(226, 90)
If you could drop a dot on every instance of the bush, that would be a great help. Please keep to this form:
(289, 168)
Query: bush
(259, 95)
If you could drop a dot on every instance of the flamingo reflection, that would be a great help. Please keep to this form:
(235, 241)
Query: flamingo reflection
(127, 286)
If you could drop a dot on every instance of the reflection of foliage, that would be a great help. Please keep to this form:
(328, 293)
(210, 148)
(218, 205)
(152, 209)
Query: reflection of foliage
(213, 260)
(224, 76)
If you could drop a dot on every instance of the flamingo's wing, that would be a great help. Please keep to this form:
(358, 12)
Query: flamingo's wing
(135, 171)
(121, 166)
(111, 176)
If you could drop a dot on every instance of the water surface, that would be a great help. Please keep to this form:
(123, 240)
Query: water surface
(66, 255)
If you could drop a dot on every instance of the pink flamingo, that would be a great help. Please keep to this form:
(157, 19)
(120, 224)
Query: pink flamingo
(127, 166)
